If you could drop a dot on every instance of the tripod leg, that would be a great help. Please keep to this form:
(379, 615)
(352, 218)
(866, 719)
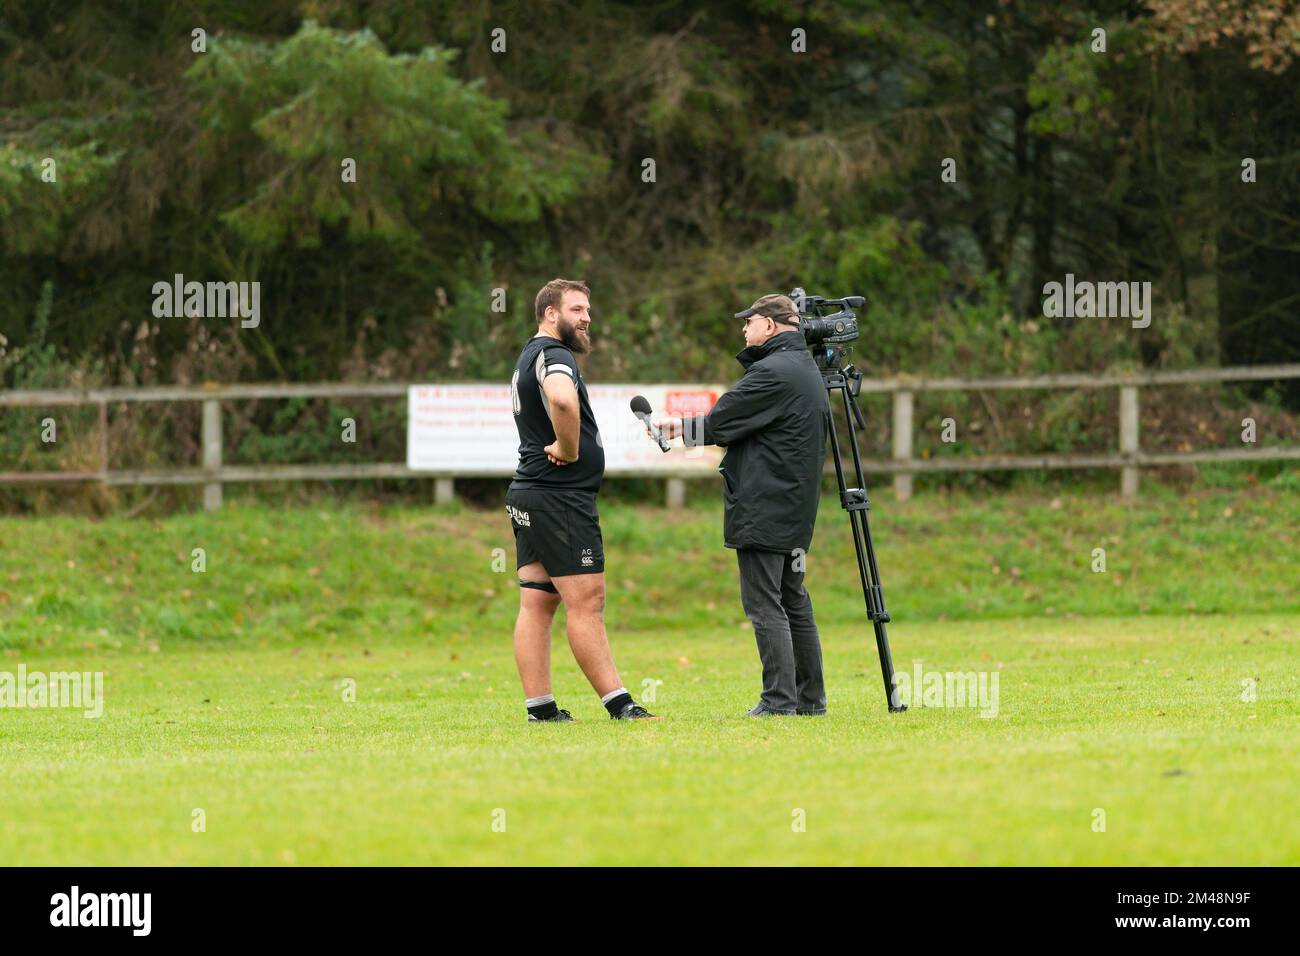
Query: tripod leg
(854, 500)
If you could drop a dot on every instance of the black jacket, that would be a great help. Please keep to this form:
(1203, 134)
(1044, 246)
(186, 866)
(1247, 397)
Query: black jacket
(773, 424)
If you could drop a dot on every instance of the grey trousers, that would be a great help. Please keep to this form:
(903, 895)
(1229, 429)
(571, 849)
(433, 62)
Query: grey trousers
(789, 646)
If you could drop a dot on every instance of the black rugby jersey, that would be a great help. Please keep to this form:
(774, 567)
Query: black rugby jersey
(544, 356)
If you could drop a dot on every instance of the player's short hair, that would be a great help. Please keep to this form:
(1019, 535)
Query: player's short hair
(552, 294)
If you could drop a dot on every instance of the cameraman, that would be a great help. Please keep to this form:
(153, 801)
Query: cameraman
(773, 424)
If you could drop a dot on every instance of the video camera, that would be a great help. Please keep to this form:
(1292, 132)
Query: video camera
(822, 326)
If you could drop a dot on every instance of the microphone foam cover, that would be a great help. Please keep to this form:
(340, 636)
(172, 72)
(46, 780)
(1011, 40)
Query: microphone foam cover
(640, 405)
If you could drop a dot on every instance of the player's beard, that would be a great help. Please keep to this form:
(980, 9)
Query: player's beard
(569, 335)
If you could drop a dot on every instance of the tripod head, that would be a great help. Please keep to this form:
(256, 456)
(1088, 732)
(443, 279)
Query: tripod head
(833, 359)
(838, 375)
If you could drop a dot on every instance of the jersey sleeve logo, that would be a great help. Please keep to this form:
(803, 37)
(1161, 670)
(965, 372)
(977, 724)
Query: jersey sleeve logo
(539, 373)
(560, 361)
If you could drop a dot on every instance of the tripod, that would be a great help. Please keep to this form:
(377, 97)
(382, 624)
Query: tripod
(847, 380)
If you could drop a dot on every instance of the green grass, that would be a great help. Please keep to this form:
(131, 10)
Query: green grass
(325, 574)
(223, 691)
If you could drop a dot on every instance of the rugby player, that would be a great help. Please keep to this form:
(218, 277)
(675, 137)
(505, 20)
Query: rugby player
(552, 508)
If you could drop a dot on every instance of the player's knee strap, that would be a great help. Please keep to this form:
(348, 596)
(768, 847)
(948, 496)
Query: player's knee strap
(539, 585)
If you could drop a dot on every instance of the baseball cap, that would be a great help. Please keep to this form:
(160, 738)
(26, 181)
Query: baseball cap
(778, 307)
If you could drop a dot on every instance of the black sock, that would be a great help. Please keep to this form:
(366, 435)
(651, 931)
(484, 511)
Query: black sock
(544, 711)
(615, 705)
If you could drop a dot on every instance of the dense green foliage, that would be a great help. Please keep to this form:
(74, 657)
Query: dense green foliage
(792, 143)
(479, 169)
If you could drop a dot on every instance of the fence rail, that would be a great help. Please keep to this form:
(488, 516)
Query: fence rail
(1129, 459)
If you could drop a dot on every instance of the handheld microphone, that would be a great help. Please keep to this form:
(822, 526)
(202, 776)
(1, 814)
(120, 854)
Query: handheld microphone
(641, 409)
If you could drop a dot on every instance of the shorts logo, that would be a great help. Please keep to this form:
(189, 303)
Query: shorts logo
(586, 557)
(520, 517)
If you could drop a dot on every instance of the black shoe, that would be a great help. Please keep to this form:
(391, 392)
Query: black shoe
(560, 717)
(762, 710)
(633, 711)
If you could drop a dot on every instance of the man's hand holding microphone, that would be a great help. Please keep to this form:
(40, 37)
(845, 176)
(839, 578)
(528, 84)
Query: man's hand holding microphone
(670, 428)
(641, 409)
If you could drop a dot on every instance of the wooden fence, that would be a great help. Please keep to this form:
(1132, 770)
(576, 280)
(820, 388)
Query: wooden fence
(212, 474)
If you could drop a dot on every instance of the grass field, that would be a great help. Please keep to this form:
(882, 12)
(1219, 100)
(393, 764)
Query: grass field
(1119, 691)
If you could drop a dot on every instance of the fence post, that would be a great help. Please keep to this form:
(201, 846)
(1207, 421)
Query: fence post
(444, 491)
(676, 492)
(103, 438)
(1128, 439)
(212, 452)
(902, 442)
